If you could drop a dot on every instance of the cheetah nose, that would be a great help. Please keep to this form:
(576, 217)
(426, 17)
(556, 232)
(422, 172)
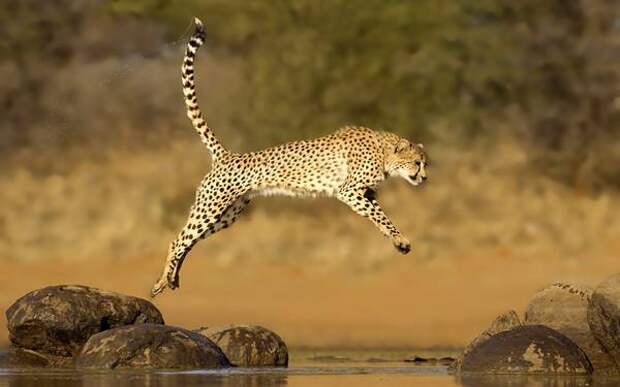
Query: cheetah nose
(424, 178)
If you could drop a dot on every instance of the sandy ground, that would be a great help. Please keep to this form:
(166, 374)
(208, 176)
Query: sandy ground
(404, 304)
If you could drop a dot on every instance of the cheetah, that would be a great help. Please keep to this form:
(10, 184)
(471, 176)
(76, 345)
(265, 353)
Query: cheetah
(347, 165)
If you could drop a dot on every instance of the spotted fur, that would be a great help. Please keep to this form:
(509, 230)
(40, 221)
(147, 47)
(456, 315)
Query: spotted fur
(348, 165)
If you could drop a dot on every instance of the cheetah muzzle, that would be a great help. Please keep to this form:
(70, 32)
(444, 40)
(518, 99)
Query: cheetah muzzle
(348, 165)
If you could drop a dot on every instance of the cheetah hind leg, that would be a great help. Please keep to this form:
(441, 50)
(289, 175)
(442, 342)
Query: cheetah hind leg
(229, 216)
(179, 250)
(162, 283)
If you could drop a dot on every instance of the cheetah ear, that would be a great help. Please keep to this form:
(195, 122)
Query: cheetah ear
(420, 145)
(402, 145)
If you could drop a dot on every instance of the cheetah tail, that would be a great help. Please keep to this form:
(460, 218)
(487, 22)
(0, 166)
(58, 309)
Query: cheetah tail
(189, 92)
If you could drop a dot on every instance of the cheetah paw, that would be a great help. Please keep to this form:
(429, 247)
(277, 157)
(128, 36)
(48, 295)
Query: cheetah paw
(402, 245)
(159, 287)
(163, 283)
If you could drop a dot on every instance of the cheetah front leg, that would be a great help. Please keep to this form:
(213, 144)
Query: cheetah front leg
(363, 202)
(199, 226)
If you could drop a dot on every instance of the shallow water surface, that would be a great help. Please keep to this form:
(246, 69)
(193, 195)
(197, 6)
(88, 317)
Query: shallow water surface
(307, 368)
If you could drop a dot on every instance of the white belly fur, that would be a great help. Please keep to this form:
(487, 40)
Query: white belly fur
(298, 193)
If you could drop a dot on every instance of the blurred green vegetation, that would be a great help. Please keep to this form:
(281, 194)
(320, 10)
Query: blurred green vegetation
(449, 72)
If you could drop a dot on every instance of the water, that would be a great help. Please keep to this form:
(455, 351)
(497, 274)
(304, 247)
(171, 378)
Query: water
(307, 368)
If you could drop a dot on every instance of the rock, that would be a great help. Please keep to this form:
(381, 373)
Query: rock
(150, 346)
(58, 320)
(504, 322)
(25, 358)
(444, 361)
(249, 345)
(528, 349)
(564, 307)
(486, 380)
(604, 317)
(419, 359)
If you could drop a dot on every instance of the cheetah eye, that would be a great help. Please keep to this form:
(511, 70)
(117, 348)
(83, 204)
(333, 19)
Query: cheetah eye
(418, 163)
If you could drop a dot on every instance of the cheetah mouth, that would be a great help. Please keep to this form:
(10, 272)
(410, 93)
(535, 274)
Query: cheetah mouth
(416, 179)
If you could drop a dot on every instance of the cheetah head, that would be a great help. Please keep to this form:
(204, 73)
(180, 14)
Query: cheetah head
(409, 162)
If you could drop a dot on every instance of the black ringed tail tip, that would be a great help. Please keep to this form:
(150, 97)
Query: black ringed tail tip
(200, 28)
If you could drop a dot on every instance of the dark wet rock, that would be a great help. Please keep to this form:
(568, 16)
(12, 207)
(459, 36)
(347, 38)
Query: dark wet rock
(249, 345)
(446, 361)
(483, 380)
(443, 361)
(564, 307)
(604, 317)
(419, 359)
(15, 357)
(502, 323)
(529, 349)
(150, 346)
(25, 358)
(58, 320)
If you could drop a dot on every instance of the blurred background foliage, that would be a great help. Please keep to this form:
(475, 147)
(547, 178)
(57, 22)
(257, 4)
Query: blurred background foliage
(520, 97)
(449, 71)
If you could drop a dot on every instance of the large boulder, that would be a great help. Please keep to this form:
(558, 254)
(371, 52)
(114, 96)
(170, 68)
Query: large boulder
(564, 307)
(58, 320)
(528, 349)
(150, 346)
(504, 322)
(249, 345)
(604, 317)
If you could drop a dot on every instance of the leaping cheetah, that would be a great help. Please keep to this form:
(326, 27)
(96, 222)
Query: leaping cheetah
(347, 165)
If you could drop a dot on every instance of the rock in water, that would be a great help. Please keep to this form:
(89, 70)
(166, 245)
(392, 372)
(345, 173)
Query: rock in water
(564, 307)
(529, 349)
(150, 346)
(504, 322)
(604, 317)
(249, 345)
(58, 320)
(25, 358)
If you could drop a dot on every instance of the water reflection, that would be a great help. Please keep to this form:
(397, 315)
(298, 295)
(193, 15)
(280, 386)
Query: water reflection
(535, 381)
(343, 376)
(130, 379)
